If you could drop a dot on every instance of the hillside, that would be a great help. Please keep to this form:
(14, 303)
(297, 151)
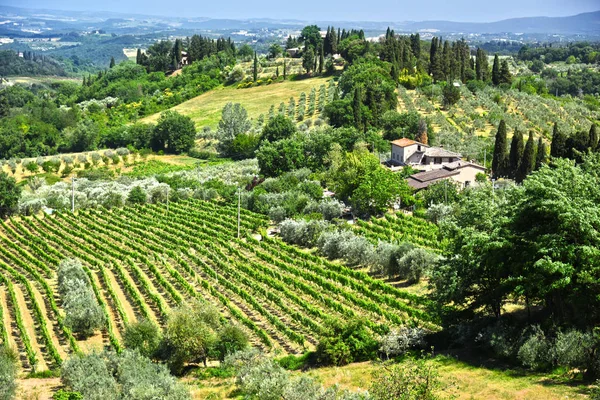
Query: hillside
(205, 110)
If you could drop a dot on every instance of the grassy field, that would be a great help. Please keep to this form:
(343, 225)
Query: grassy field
(205, 110)
(462, 381)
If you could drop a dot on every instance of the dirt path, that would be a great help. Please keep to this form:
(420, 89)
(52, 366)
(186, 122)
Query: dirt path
(7, 319)
(35, 388)
(26, 314)
(50, 323)
(127, 306)
(112, 314)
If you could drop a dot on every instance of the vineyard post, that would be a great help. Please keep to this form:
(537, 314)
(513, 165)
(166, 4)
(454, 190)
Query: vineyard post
(168, 199)
(238, 216)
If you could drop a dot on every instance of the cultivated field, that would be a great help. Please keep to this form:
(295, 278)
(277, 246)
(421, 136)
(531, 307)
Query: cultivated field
(143, 261)
(480, 113)
(205, 110)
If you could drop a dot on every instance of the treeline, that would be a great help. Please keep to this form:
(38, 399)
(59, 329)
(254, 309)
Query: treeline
(580, 52)
(31, 64)
(167, 56)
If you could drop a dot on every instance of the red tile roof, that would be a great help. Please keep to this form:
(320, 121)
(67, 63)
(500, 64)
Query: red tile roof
(404, 142)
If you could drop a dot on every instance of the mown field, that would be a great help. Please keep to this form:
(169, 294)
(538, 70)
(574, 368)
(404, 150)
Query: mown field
(144, 261)
(461, 380)
(205, 110)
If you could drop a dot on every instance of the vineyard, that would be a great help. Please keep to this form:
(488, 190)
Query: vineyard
(399, 228)
(143, 261)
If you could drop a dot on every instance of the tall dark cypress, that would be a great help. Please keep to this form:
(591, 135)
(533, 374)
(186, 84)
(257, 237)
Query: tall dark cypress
(432, 56)
(500, 160)
(284, 69)
(112, 62)
(540, 156)
(559, 139)
(138, 57)
(528, 161)
(255, 70)
(516, 154)
(321, 60)
(496, 71)
(593, 144)
(505, 75)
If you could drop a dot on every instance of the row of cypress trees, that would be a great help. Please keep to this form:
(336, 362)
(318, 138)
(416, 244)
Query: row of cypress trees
(520, 159)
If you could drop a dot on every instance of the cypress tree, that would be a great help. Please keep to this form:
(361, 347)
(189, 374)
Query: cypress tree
(432, 56)
(593, 144)
(528, 161)
(277, 72)
(500, 160)
(559, 139)
(321, 60)
(516, 154)
(540, 157)
(138, 57)
(505, 76)
(255, 70)
(496, 71)
(112, 62)
(284, 69)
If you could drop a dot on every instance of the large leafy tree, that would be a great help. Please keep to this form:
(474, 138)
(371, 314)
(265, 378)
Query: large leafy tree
(234, 122)
(280, 156)
(539, 242)
(9, 194)
(277, 128)
(174, 133)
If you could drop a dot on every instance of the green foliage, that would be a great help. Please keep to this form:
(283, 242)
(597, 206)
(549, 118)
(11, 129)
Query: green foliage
(62, 394)
(442, 192)
(8, 372)
(127, 375)
(277, 128)
(346, 343)
(414, 379)
(143, 336)
(357, 177)
(174, 133)
(450, 95)
(83, 313)
(500, 158)
(234, 122)
(10, 193)
(137, 195)
(271, 162)
(396, 125)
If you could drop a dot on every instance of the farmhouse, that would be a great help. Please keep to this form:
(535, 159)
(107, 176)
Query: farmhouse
(463, 172)
(421, 156)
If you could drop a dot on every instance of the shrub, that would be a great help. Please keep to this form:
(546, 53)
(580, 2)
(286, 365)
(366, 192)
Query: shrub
(128, 375)
(8, 372)
(415, 379)
(401, 340)
(346, 343)
(277, 214)
(143, 336)
(535, 352)
(415, 263)
(575, 349)
(83, 314)
(231, 340)
(137, 195)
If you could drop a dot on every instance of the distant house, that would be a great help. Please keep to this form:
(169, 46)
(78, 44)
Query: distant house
(421, 156)
(293, 52)
(463, 172)
(184, 60)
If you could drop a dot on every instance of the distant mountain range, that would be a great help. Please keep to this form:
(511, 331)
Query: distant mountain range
(47, 21)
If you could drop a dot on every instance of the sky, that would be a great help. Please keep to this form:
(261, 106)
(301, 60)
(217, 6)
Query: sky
(329, 10)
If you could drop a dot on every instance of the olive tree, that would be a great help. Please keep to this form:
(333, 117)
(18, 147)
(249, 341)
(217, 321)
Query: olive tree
(8, 372)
